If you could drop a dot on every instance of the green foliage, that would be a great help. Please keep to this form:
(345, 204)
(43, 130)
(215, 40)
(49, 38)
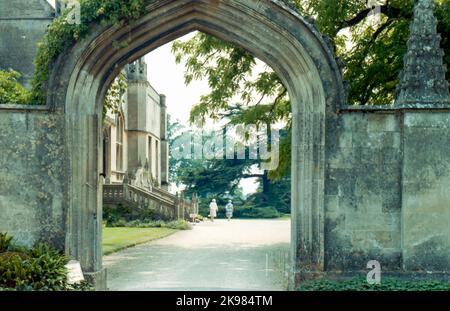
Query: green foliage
(246, 211)
(372, 53)
(219, 178)
(145, 223)
(114, 95)
(443, 16)
(80, 287)
(229, 70)
(179, 225)
(123, 216)
(61, 35)
(5, 242)
(40, 268)
(11, 91)
(117, 215)
(47, 269)
(175, 224)
(387, 284)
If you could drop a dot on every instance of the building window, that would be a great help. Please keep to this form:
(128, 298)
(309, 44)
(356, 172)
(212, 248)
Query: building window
(157, 159)
(149, 156)
(119, 144)
(107, 152)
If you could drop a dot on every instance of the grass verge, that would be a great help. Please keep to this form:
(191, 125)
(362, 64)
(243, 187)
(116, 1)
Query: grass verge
(116, 239)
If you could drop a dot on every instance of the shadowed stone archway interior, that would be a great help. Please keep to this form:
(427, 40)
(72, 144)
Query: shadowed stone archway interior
(358, 186)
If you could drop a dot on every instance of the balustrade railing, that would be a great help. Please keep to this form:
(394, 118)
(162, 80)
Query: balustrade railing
(162, 202)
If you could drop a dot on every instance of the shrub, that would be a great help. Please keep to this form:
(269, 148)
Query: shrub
(14, 271)
(255, 212)
(125, 216)
(117, 216)
(5, 242)
(179, 225)
(11, 91)
(119, 223)
(83, 286)
(48, 269)
(263, 212)
(175, 224)
(387, 284)
(38, 268)
(41, 268)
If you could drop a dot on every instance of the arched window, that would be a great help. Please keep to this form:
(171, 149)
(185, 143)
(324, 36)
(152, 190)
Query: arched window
(119, 142)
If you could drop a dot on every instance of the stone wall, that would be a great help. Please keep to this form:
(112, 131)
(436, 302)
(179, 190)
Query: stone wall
(22, 25)
(363, 191)
(426, 191)
(387, 188)
(32, 175)
(387, 171)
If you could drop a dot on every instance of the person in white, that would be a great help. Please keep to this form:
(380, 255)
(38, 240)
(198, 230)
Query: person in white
(213, 209)
(229, 210)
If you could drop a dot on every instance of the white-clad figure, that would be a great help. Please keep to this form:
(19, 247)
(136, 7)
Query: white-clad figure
(213, 209)
(229, 209)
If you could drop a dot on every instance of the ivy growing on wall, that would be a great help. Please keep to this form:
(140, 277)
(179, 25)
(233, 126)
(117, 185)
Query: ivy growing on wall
(61, 35)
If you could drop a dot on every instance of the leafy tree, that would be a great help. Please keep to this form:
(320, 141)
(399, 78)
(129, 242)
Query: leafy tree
(372, 51)
(11, 91)
(114, 95)
(218, 178)
(205, 177)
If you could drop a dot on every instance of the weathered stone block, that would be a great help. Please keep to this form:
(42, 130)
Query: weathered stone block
(383, 123)
(31, 187)
(427, 120)
(22, 25)
(426, 195)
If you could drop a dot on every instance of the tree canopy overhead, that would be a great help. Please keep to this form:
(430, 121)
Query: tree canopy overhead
(370, 40)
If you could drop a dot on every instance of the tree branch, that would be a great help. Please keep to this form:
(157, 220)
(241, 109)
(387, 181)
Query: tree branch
(253, 176)
(380, 30)
(385, 9)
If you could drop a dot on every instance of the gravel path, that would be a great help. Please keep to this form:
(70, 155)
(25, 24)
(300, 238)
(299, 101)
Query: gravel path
(236, 255)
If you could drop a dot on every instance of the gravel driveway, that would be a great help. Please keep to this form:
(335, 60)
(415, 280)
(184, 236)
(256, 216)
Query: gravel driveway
(236, 255)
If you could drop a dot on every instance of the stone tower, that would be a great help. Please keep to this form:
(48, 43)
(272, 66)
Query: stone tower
(422, 81)
(137, 71)
(146, 124)
(164, 145)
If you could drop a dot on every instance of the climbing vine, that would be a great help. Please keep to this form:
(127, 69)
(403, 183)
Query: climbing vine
(61, 35)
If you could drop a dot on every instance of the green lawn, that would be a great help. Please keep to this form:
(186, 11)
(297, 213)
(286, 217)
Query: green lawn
(115, 239)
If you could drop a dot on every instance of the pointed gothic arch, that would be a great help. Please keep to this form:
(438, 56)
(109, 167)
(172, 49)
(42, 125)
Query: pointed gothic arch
(268, 29)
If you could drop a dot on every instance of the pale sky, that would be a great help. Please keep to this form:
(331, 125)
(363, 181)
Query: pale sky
(168, 78)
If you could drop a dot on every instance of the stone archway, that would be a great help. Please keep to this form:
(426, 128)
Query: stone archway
(268, 29)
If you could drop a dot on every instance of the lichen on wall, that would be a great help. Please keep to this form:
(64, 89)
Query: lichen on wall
(363, 192)
(32, 177)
